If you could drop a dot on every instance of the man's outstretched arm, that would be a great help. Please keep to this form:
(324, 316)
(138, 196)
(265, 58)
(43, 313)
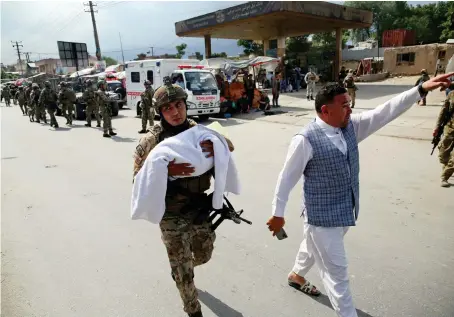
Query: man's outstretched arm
(369, 122)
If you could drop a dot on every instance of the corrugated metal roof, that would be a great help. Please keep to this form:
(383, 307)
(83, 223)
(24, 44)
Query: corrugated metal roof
(32, 65)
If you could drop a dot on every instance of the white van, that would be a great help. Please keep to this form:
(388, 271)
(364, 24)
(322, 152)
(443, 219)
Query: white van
(199, 83)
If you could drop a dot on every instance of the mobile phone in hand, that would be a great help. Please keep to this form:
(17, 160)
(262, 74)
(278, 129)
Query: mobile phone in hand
(281, 235)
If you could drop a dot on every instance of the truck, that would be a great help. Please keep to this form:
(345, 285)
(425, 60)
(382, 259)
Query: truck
(199, 83)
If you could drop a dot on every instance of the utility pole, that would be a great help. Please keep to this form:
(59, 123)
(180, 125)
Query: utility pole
(27, 56)
(152, 50)
(95, 30)
(121, 45)
(18, 54)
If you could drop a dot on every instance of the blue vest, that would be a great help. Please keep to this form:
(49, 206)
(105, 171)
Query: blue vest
(331, 179)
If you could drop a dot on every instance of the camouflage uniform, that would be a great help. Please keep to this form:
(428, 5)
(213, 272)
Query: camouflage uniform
(6, 93)
(92, 106)
(446, 147)
(349, 83)
(28, 101)
(148, 112)
(310, 79)
(188, 244)
(106, 110)
(34, 97)
(40, 112)
(66, 98)
(48, 99)
(20, 96)
(424, 77)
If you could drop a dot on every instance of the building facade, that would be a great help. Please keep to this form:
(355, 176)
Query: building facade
(410, 60)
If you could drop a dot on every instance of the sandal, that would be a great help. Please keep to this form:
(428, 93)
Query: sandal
(306, 288)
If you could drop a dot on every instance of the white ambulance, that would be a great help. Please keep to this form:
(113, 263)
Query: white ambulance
(199, 83)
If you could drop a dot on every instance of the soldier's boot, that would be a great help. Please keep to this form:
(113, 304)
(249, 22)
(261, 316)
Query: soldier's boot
(308, 98)
(143, 131)
(312, 97)
(112, 133)
(106, 135)
(196, 314)
(445, 183)
(88, 125)
(99, 124)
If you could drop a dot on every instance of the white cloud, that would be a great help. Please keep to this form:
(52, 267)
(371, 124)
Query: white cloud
(40, 24)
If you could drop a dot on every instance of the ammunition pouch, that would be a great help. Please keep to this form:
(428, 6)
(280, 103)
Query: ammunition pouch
(198, 203)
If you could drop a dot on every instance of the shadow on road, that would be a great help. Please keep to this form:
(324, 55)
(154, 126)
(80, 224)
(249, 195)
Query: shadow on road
(323, 299)
(117, 138)
(216, 306)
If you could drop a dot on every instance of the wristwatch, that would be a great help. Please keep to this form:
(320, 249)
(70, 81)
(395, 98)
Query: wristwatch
(422, 92)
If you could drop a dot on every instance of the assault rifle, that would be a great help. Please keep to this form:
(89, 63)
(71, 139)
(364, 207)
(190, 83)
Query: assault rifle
(227, 212)
(445, 117)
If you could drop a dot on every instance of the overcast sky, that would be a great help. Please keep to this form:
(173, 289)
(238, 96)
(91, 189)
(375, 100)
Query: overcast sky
(40, 24)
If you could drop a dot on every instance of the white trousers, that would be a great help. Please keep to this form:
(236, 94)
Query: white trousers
(325, 247)
(310, 90)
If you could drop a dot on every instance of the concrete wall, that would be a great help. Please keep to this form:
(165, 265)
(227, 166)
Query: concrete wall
(356, 55)
(425, 58)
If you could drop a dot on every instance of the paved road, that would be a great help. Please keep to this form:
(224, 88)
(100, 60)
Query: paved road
(69, 247)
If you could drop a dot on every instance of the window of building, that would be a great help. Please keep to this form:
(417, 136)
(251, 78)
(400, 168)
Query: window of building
(441, 55)
(406, 58)
(135, 77)
(150, 76)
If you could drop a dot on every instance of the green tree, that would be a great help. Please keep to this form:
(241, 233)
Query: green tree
(328, 39)
(181, 50)
(198, 56)
(448, 26)
(297, 44)
(223, 54)
(140, 56)
(109, 60)
(250, 47)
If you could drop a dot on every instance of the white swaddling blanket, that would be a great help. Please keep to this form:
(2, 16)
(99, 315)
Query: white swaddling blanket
(150, 183)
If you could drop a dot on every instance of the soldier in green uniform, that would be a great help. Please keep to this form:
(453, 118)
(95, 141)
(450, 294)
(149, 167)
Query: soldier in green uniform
(148, 112)
(28, 102)
(66, 98)
(48, 100)
(188, 244)
(6, 94)
(424, 77)
(38, 109)
(92, 106)
(349, 83)
(40, 112)
(105, 108)
(20, 96)
(446, 147)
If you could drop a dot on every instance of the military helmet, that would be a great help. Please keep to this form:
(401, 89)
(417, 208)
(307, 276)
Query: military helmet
(47, 84)
(423, 71)
(168, 93)
(35, 85)
(29, 84)
(89, 82)
(147, 83)
(101, 83)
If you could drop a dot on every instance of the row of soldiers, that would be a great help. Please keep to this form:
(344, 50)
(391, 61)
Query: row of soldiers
(34, 102)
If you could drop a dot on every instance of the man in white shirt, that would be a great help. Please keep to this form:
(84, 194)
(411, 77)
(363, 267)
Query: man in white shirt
(326, 153)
